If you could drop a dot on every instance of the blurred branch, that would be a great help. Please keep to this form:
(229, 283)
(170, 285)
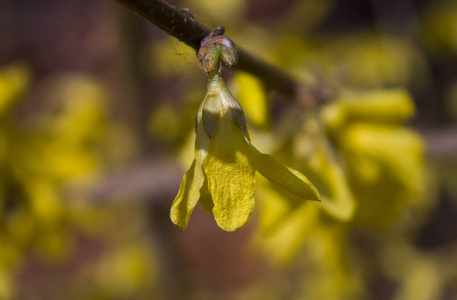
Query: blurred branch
(145, 181)
(441, 143)
(181, 24)
(158, 180)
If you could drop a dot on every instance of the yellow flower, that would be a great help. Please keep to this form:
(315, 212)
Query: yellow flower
(222, 175)
(384, 160)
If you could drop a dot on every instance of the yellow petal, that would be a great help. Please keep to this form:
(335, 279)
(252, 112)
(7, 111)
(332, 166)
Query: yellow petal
(385, 171)
(329, 178)
(206, 201)
(192, 182)
(394, 105)
(231, 179)
(273, 206)
(383, 106)
(276, 172)
(286, 239)
(186, 199)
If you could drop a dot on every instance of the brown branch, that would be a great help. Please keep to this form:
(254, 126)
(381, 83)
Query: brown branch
(181, 24)
(441, 143)
(143, 181)
(159, 180)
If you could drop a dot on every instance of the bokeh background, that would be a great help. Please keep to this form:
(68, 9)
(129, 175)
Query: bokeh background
(97, 111)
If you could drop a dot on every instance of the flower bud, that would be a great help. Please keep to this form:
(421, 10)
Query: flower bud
(211, 113)
(216, 52)
(235, 112)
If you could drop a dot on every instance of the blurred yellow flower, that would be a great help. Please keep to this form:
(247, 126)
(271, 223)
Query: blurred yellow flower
(14, 80)
(252, 95)
(222, 175)
(384, 160)
(318, 160)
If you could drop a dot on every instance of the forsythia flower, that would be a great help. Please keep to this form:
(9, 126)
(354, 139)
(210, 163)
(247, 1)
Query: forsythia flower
(384, 159)
(222, 175)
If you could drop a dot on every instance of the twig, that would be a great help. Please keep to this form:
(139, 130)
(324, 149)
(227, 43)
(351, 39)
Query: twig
(181, 24)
